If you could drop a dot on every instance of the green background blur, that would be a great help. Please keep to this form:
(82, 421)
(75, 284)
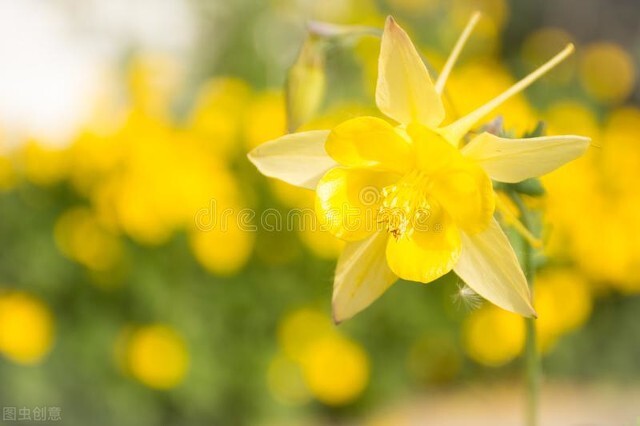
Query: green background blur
(124, 135)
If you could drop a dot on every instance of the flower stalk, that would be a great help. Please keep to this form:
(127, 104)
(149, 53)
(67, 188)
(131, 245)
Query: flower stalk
(533, 366)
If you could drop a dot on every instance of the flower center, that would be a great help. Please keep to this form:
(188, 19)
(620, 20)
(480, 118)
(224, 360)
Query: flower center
(406, 206)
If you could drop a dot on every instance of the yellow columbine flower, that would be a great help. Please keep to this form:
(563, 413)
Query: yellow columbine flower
(433, 202)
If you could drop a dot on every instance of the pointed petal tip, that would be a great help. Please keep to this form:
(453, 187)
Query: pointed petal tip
(525, 309)
(337, 320)
(254, 158)
(391, 24)
(531, 312)
(251, 156)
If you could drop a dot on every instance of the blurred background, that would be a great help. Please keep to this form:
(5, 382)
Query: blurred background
(124, 125)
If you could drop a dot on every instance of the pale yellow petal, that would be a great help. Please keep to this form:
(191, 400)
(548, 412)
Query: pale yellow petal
(405, 91)
(299, 158)
(514, 160)
(489, 266)
(362, 275)
(456, 130)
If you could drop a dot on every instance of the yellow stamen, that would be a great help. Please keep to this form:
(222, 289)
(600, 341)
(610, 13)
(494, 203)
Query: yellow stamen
(456, 130)
(405, 205)
(453, 57)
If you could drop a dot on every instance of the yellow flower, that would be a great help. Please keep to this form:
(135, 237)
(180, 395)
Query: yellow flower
(336, 370)
(410, 201)
(81, 237)
(607, 73)
(26, 328)
(42, 165)
(493, 337)
(564, 301)
(316, 359)
(157, 356)
(286, 382)
(8, 175)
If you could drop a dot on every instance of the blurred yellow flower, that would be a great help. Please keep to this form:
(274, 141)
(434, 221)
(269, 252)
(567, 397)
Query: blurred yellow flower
(157, 356)
(26, 328)
(154, 179)
(81, 237)
(541, 44)
(492, 336)
(44, 165)
(596, 187)
(225, 248)
(299, 328)
(563, 300)
(320, 241)
(607, 72)
(218, 115)
(620, 154)
(8, 174)
(334, 368)
(153, 81)
(568, 116)
(268, 118)
(285, 381)
(93, 156)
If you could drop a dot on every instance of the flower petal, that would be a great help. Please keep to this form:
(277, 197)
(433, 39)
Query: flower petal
(428, 253)
(466, 193)
(348, 200)
(362, 276)
(299, 158)
(405, 91)
(461, 187)
(369, 142)
(514, 160)
(490, 267)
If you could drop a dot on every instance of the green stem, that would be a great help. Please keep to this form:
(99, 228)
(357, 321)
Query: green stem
(533, 368)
